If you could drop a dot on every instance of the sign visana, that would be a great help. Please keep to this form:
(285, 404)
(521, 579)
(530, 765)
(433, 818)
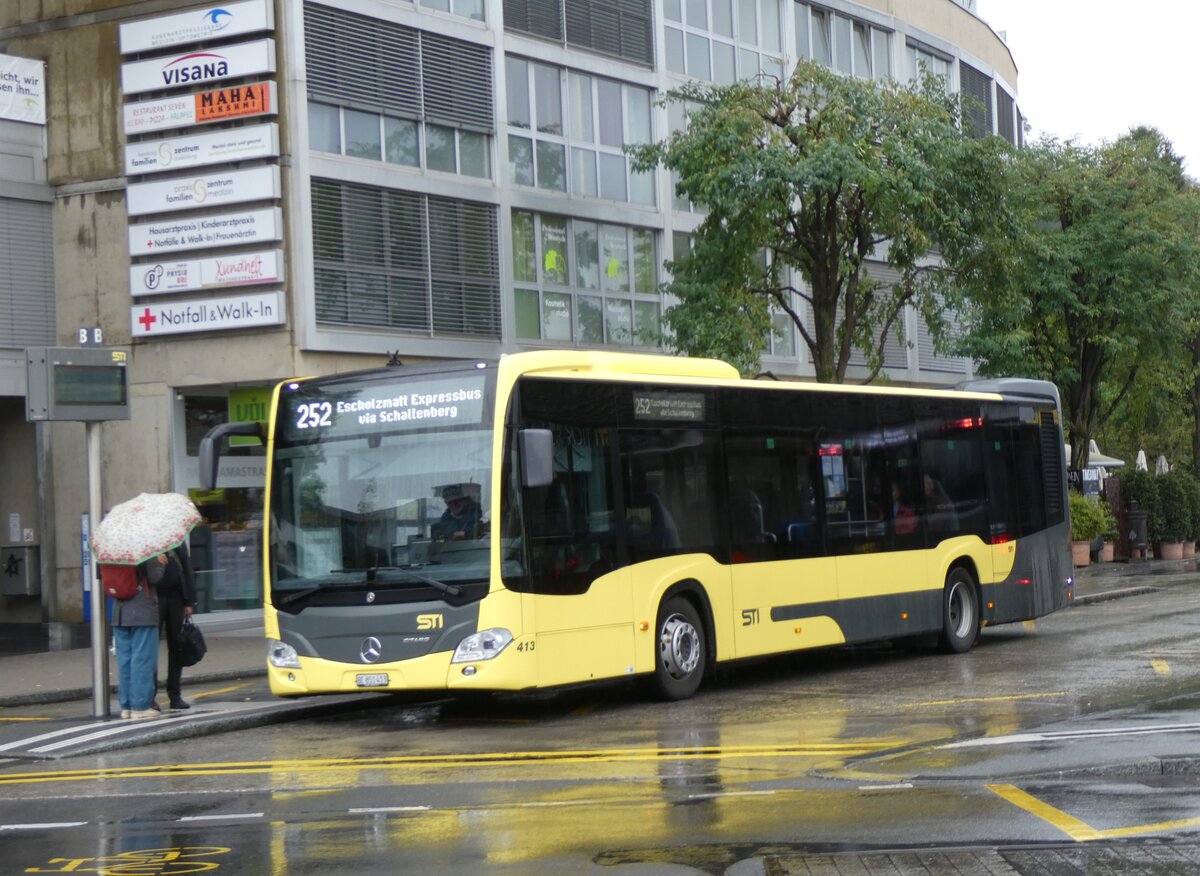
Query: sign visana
(240, 269)
(206, 232)
(213, 190)
(206, 315)
(213, 147)
(198, 68)
(197, 25)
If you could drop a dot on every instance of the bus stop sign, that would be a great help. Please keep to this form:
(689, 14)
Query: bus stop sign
(76, 383)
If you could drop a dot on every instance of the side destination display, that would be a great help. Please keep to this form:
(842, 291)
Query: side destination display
(206, 232)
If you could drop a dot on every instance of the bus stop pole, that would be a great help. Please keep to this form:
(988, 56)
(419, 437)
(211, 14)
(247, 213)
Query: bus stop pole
(99, 639)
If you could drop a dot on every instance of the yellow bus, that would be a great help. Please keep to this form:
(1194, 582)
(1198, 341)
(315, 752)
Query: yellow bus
(559, 517)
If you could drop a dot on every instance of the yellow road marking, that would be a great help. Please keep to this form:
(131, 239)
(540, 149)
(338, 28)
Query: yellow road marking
(213, 693)
(1068, 824)
(1076, 829)
(1031, 626)
(451, 761)
(13, 720)
(1161, 667)
(998, 699)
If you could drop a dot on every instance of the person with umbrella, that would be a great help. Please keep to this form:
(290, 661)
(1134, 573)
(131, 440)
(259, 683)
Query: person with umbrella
(176, 591)
(139, 533)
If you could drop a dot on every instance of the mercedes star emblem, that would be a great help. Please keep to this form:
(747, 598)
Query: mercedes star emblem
(371, 650)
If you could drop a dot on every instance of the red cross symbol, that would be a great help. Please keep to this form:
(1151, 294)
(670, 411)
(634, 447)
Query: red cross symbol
(147, 320)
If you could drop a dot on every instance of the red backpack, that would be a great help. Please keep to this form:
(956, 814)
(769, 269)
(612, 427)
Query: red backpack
(120, 582)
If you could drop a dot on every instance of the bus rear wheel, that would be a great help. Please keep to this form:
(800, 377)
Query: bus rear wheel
(679, 665)
(960, 612)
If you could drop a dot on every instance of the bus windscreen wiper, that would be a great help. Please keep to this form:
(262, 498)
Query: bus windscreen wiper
(448, 589)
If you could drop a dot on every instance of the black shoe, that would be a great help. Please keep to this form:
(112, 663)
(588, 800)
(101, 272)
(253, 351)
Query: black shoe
(179, 704)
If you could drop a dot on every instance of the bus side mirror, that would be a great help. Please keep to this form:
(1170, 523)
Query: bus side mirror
(536, 447)
(210, 448)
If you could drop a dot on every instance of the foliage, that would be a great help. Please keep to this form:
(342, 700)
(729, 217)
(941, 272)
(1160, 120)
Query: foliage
(1142, 487)
(1089, 520)
(1175, 500)
(821, 172)
(1088, 294)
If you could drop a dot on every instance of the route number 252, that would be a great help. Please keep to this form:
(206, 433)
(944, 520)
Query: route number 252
(313, 415)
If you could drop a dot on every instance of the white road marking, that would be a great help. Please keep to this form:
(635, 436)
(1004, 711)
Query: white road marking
(1020, 738)
(226, 817)
(48, 825)
(370, 810)
(893, 787)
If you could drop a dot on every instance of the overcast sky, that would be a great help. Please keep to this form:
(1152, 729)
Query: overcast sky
(1093, 70)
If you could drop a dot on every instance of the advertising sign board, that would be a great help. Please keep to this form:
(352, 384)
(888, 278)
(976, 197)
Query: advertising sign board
(22, 90)
(206, 232)
(211, 147)
(199, 67)
(174, 317)
(185, 110)
(196, 25)
(239, 269)
(211, 190)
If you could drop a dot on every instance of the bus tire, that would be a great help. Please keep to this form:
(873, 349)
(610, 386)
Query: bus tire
(960, 612)
(681, 653)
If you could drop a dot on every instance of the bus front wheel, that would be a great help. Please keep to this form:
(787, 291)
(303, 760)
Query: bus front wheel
(960, 612)
(681, 658)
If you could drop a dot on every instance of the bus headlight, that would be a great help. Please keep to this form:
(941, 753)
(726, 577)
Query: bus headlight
(282, 655)
(483, 645)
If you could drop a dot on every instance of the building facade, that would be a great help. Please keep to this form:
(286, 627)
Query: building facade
(248, 191)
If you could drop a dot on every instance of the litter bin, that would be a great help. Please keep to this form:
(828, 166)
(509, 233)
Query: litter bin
(1135, 526)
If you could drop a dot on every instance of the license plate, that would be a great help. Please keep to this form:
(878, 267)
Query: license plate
(375, 679)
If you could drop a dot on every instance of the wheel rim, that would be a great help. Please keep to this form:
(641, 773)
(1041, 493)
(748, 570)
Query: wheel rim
(962, 609)
(679, 646)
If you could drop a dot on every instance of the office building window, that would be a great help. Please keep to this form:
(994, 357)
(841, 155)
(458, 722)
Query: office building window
(465, 8)
(921, 59)
(394, 260)
(723, 41)
(585, 282)
(977, 89)
(567, 130)
(381, 91)
(622, 28)
(850, 46)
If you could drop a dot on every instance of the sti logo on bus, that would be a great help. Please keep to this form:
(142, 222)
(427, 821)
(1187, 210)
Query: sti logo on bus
(429, 622)
(195, 67)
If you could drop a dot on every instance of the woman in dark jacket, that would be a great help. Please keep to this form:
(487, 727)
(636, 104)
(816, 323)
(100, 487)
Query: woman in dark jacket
(176, 598)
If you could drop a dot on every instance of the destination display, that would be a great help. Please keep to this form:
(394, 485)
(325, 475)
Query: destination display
(679, 406)
(198, 68)
(213, 190)
(412, 404)
(202, 108)
(239, 269)
(211, 314)
(196, 25)
(206, 232)
(196, 150)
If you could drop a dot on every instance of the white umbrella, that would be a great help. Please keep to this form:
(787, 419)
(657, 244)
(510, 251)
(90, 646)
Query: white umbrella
(1161, 466)
(1096, 459)
(1140, 464)
(146, 525)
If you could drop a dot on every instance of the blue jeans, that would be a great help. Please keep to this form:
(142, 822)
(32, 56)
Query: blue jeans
(137, 662)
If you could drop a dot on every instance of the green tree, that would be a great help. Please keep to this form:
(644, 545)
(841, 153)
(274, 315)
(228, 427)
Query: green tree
(1086, 293)
(811, 178)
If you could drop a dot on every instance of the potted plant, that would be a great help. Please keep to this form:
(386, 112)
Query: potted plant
(1087, 524)
(1110, 535)
(1175, 524)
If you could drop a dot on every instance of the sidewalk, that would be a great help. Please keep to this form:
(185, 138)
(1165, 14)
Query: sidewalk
(237, 648)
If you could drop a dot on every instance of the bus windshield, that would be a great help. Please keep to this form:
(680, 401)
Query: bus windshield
(382, 484)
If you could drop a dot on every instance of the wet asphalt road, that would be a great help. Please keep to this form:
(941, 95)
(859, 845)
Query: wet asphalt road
(1063, 744)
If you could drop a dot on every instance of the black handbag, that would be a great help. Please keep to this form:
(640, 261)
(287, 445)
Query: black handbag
(192, 646)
